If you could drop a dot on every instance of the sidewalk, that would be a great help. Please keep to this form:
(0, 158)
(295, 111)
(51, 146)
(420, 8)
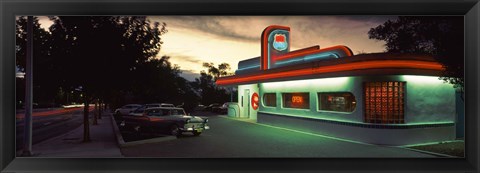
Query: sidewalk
(103, 142)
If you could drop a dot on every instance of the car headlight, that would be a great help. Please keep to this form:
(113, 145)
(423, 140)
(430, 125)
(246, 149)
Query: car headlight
(187, 121)
(206, 120)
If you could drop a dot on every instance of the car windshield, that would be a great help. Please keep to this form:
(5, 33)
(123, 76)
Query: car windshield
(175, 111)
(139, 110)
(155, 112)
(152, 106)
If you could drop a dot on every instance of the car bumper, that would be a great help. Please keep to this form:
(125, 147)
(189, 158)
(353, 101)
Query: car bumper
(194, 127)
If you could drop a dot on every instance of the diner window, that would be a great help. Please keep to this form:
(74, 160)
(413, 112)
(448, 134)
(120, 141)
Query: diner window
(296, 100)
(270, 99)
(337, 101)
(384, 102)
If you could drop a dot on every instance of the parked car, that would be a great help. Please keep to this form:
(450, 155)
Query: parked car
(138, 112)
(125, 110)
(168, 120)
(152, 105)
(211, 106)
(200, 108)
(223, 109)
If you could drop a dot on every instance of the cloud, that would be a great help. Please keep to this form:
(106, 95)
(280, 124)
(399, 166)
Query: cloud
(186, 58)
(192, 40)
(189, 75)
(249, 28)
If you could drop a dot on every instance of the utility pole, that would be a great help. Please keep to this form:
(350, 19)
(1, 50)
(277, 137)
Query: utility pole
(27, 120)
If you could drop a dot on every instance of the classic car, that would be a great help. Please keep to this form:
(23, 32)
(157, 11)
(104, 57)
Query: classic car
(168, 120)
(152, 105)
(222, 109)
(125, 110)
(212, 106)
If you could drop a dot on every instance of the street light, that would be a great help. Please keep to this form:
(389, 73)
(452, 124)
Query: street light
(27, 138)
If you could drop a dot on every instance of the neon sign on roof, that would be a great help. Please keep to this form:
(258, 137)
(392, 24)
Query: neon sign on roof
(275, 50)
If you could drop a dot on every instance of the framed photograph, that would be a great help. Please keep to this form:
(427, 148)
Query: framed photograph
(263, 86)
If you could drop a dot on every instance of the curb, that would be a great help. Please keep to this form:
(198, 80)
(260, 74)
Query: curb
(148, 141)
(122, 144)
(118, 135)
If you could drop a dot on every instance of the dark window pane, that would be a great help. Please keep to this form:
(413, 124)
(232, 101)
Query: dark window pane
(270, 99)
(337, 101)
(155, 112)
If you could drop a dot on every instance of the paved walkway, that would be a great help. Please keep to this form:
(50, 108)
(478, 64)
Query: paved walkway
(103, 142)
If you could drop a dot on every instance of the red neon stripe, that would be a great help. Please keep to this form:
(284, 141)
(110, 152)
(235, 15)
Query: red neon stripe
(265, 34)
(337, 68)
(296, 54)
(53, 112)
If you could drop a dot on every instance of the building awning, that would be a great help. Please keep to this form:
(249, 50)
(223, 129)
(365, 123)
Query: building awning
(365, 64)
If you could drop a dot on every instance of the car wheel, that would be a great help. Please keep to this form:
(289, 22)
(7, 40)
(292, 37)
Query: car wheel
(196, 133)
(175, 131)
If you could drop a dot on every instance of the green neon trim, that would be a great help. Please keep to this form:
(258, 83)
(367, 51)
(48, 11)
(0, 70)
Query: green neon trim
(310, 117)
(355, 122)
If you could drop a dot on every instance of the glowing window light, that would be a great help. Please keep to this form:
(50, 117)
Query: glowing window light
(384, 102)
(422, 79)
(326, 82)
(297, 99)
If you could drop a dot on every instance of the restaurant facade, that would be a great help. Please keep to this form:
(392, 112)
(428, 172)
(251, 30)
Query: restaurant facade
(379, 98)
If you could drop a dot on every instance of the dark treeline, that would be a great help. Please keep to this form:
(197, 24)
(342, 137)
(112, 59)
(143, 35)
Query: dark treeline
(109, 60)
(439, 36)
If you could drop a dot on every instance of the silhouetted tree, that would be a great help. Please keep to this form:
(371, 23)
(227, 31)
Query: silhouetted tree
(441, 37)
(45, 74)
(100, 53)
(210, 92)
(223, 69)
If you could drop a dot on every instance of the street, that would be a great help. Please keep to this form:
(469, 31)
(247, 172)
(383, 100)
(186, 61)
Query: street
(229, 138)
(49, 123)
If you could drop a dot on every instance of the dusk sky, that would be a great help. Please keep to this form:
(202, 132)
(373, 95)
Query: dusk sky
(192, 40)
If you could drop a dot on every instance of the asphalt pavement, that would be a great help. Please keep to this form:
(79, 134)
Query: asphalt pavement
(230, 138)
(102, 144)
(48, 124)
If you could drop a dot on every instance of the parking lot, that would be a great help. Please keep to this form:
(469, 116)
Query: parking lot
(231, 138)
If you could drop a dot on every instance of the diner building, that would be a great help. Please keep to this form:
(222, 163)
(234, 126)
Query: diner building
(378, 98)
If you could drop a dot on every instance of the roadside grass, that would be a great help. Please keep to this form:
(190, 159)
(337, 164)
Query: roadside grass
(454, 148)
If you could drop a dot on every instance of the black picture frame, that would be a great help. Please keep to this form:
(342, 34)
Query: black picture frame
(9, 9)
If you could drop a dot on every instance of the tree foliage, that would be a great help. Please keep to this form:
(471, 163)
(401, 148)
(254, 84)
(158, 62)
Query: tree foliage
(111, 60)
(45, 76)
(101, 53)
(441, 37)
(210, 92)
